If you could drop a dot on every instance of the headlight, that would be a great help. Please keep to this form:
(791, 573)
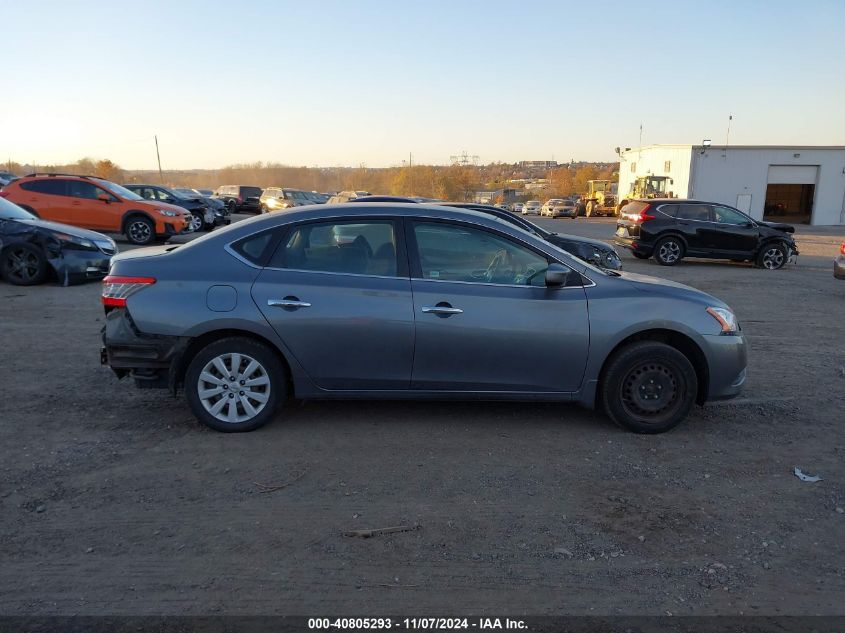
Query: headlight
(726, 319)
(73, 239)
(168, 213)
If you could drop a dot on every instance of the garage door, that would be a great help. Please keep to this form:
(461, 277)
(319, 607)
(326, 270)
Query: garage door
(792, 174)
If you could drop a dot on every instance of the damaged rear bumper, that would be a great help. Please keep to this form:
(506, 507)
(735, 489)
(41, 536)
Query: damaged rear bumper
(150, 359)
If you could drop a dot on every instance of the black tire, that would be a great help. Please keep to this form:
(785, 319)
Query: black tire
(232, 206)
(648, 387)
(139, 230)
(641, 255)
(270, 366)
(24, 265)
(772, 256)
(669, 251)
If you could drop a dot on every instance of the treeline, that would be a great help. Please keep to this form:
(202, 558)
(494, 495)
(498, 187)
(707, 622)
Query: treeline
(453, 182)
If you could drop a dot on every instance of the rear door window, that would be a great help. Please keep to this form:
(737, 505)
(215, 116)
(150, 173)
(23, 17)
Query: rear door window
(360, 247)
(697, 212)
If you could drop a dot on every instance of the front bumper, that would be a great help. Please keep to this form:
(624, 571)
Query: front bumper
(727, 360)
(839, 267)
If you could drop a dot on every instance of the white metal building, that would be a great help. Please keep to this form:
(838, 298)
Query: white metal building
(793, 184)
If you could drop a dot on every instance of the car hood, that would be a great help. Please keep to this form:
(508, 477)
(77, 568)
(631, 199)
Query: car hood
(154, 204)
(778, 226)
(586, 241)
(647, 283)
(65, 228)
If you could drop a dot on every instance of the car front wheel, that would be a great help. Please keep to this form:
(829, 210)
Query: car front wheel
(648, 387)
(24, 265)
(140, 231)
(772, 256)
(235, 384)
(196, 223)
(668, 251)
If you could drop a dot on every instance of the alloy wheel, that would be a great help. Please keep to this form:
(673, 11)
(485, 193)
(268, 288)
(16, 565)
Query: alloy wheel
(196, 223)
(670, 251)
(233, 387)
(22, 265)
(773, 258)
(139, 232)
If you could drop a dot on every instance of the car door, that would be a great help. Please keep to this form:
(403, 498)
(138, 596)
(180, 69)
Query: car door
(485, 320)
(86, 209)
(337, 292)
(48, 198)
(734, 234)
(695, 222)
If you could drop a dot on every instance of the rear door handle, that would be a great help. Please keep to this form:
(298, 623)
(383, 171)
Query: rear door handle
(441, 310)
(290, 303)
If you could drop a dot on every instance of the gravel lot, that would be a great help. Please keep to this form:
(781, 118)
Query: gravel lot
(115, 501)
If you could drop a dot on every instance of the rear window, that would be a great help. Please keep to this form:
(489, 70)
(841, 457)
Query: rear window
(52, 186)
(251, 191)
(634, 208)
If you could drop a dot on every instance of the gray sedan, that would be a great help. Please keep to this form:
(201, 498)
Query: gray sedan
(409, 301)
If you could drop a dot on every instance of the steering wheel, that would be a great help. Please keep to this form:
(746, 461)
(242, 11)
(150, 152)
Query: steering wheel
(495, 265)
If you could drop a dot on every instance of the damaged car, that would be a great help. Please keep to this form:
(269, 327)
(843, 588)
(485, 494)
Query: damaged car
(34, 250)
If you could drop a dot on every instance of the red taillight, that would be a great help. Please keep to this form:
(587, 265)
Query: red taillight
(644, 214)
(842, 248)
(116, 290)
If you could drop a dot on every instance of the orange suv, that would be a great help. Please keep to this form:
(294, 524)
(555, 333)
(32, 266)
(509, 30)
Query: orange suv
(94, 203)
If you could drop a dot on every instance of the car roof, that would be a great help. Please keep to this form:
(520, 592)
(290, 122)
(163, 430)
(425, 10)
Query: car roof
(670, 201)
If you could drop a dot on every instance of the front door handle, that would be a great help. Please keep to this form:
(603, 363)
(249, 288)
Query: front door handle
(442, 310)
(288, 303)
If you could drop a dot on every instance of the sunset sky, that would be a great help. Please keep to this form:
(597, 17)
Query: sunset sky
(345, 83)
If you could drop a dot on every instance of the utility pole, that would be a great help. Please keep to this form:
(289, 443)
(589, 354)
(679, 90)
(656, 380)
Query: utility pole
(158, 156)
(728, 136)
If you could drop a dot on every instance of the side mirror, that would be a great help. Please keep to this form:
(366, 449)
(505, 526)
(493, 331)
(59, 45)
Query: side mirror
(556, 275)
(104, 198)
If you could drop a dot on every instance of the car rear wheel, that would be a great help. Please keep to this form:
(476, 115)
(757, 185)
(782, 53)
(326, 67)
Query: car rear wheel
(668, 251)
(772, 256)
(235, 384)
(24, 265)
(648, 387)
(140, 231)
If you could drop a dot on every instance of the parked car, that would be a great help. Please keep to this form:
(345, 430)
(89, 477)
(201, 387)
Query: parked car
(593, 251)
(839, 263)
(278, 198)
(6, 177)
(346, 196)
(532, 207)
(202, 214)
(517, 207)
(325, 304)
(670, 229)
(31, 250)
(240, 198)
(207, 193)
(557, 207)
(94, 203)
(221, 211)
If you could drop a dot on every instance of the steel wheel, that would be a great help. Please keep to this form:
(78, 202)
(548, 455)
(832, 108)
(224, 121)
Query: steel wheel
(233, 387)
(650, 390)
(139, 231)
(773, 257)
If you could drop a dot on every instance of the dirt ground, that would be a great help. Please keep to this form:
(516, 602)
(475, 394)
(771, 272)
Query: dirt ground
(115, 501)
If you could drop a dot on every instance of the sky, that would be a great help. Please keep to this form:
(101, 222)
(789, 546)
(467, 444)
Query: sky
(333, 83)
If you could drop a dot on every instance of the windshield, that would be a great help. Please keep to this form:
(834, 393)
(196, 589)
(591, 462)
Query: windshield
(123, 192)
(10, 211)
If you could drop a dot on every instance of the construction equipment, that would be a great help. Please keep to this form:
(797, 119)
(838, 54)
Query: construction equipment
(600, 198)
(646, 187)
